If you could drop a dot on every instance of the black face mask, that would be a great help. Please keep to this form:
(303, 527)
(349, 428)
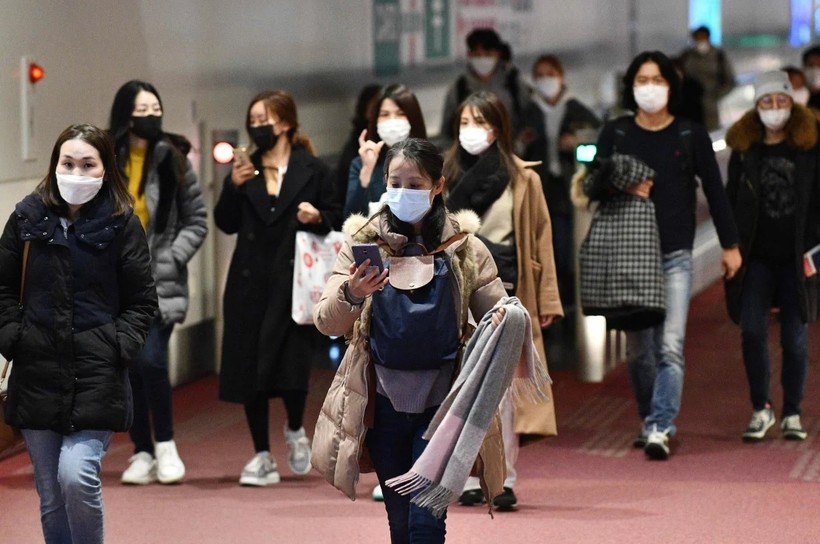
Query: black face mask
(148, 127)
(263, 137)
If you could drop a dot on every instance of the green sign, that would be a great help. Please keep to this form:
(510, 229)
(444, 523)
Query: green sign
(386, 37)
(437, 29)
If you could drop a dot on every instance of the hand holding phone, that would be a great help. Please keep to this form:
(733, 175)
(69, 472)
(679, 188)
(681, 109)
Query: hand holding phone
(363, 252)
(240, 155)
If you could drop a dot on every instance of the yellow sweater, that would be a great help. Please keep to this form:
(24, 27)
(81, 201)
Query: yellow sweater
(133, 169)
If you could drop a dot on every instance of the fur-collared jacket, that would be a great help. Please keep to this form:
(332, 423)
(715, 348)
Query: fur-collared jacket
(745, 138)
(338, 443)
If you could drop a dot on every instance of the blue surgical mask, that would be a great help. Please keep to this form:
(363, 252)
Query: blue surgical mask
(408, 205)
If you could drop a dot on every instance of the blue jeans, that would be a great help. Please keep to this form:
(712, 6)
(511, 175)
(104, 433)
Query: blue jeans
(655, 354)
(152, 390)
(765, 285)
(395, 443)
(67, 476)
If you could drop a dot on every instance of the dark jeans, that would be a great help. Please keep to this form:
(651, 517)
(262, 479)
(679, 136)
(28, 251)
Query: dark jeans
(395, 443)
(764, 286)
(152, 390)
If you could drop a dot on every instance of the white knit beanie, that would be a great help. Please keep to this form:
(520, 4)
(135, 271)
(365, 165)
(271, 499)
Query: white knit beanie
(776, 81)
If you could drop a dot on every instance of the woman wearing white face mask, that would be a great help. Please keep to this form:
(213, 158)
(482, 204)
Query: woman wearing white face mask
(72, 324)
(552, 120)
(774, 187)
(404, 331)
(676, 150)
(484, 176)
(396, 116)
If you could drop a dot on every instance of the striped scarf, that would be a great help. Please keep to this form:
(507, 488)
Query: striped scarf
(493, 357)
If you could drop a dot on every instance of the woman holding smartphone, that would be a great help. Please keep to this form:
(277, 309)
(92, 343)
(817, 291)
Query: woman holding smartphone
(407, 344)
(282, 189)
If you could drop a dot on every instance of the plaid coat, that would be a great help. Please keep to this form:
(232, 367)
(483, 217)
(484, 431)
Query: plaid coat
(620, 259)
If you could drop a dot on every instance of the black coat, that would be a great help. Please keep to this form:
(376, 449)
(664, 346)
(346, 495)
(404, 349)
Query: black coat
(745, 137)
(263, 350)
(88, 301)
(556, 189)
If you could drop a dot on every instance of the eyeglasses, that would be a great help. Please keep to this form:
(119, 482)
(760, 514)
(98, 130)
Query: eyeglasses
(771, 101)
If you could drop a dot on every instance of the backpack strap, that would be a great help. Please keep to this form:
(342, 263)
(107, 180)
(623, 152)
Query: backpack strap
(512, 86)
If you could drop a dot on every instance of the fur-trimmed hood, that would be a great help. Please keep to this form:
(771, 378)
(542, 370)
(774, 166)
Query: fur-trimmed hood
(801, 130)
(360, 229)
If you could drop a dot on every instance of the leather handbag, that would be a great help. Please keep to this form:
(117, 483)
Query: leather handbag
(10, 438)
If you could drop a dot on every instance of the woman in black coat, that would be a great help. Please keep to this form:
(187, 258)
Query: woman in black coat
(87, 301)
(282, 189)
(774, 189)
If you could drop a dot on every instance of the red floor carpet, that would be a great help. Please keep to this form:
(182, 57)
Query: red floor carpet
(585, 486)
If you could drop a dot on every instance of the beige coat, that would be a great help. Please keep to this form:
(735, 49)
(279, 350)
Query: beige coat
(537, 284)
(338, 452)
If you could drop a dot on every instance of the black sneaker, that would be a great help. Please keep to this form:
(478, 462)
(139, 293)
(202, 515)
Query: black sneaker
(640, 440)
(506, 501)
(471, 497)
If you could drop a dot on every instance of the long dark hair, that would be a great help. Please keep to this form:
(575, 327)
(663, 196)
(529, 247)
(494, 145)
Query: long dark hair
(114, 186)
(428, 160)
(409, 104)
(668, 72)
(492, 109)
(283, 106)
(119, 125)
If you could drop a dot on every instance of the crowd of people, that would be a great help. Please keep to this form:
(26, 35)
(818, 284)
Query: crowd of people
(472, 233)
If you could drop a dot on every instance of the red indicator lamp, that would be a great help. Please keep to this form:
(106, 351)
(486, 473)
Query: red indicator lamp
(35, 72)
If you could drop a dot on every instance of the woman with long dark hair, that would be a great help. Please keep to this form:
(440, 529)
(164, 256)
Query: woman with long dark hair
(169, 205)
(395, 116)
(483, 175)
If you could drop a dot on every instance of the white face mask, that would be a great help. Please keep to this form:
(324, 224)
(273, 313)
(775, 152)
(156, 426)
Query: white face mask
(651, 98)
(702, 47)
(483, 66)
(474, 140)
(77, 190)
(801, 96)
(775, 119)
(548, 86)
(408, 205)
(393, 131)
(812, 74)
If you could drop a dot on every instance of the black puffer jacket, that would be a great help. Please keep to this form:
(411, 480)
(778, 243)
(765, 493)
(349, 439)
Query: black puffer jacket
(88, 301)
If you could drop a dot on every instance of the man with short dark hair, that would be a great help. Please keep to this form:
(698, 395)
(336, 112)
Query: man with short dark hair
(711, 68)
(489, 68)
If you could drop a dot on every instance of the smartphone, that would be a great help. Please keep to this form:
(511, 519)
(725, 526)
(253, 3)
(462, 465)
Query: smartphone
(362, 252)
(240, 154)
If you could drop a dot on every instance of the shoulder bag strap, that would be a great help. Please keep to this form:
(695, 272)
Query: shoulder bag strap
(26, 246)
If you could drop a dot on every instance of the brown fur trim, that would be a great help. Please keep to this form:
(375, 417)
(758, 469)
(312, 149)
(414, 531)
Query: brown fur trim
(801, 130)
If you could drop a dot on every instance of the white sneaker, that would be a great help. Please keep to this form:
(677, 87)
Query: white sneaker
(260, 471)
(298, 451)
(761, 421)
(142, 469)
(657, 445)
(170, 468)
(792, 429)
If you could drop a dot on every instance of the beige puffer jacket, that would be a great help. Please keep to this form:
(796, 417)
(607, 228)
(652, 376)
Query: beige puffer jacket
(338, 452)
